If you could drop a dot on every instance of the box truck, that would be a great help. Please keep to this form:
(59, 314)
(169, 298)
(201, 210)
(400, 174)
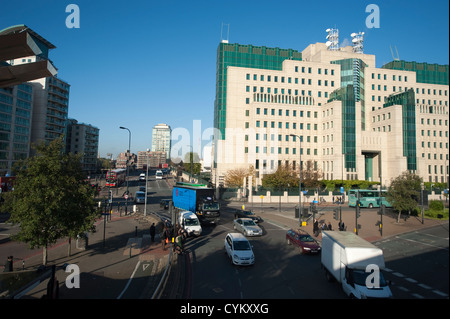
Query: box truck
(190, 223)
(199, 199)
(355, 263)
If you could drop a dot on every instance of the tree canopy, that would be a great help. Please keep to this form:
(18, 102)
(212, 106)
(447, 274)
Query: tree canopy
(404, 192)
(194, 160)
(51, 199)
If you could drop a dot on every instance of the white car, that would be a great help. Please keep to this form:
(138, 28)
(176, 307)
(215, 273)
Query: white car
(239, 250)
(247, 226)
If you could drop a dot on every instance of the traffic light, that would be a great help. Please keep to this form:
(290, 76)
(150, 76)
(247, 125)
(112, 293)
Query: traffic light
(336, 213)
(358, 209)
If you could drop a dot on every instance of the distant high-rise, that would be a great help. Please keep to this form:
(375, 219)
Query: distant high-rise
(161, 139)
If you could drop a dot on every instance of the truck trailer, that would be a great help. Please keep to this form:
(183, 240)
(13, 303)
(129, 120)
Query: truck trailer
(198, 199)
(355, 263)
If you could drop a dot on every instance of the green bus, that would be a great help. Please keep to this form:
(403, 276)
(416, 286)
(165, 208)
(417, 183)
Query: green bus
(368, 198)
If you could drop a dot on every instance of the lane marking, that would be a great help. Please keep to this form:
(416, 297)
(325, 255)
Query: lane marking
(440, 293)
(129, 280)
(419, 242)
(424, 286)
(411, 280)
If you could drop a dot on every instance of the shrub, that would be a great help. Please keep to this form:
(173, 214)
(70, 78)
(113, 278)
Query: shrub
(436, 205)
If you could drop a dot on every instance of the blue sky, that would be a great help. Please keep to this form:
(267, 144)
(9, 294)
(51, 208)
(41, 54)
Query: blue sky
(139, 63)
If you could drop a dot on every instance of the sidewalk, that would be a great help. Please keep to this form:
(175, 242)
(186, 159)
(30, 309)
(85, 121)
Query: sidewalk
(369, 220)
(106, 266)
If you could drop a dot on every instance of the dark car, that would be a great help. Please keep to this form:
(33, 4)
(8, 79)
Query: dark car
(164, 203)
(303, 240)
(247, 214)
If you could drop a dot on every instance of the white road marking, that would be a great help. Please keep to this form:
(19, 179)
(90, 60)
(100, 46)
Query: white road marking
(129, 280)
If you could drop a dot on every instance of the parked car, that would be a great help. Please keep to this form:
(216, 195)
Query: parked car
(247, 226)
(164, 203)
(303, 240)
(239, 250)
(247, 214)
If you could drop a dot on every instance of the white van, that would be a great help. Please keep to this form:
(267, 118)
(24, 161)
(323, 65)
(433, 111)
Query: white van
(159, 174)
(190, 223)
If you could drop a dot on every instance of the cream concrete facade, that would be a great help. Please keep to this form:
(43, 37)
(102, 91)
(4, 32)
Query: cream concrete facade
(264, 107)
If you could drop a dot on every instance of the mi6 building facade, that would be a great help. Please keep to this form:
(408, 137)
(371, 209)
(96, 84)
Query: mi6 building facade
(333, 108)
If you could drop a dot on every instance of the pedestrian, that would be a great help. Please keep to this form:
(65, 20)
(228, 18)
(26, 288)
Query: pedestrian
(164, 238)
(329, 226)
(167, 237)
(316, 228)
(152, 232)
(333, 199)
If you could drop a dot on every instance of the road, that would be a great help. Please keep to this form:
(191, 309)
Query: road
(417, 263)
(417, 266)
(279, 270)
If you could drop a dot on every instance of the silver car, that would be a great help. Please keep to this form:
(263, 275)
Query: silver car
(247, 226)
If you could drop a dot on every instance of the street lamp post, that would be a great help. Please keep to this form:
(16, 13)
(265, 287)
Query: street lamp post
(146, 183)
(191, 159)
(129, 150)
(300, 180)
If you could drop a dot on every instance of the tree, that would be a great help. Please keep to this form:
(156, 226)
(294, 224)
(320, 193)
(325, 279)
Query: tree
(311, 175)
(235, 177)
(194, 160)
(51, 199)
(283, 177)
(404, 192)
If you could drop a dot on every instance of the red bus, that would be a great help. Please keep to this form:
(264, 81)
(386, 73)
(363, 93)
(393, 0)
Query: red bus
(115, 177)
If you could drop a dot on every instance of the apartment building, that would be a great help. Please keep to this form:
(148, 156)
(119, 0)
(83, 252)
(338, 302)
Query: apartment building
(83, 139)
(126, 158)
(153, 159)
(335, 108)
(15, 125)
(34, 102)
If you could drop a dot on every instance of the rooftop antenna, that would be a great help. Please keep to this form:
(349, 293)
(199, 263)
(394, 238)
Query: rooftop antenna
(332, 39)
(392, 53)
(357, 40)
(222, 40)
